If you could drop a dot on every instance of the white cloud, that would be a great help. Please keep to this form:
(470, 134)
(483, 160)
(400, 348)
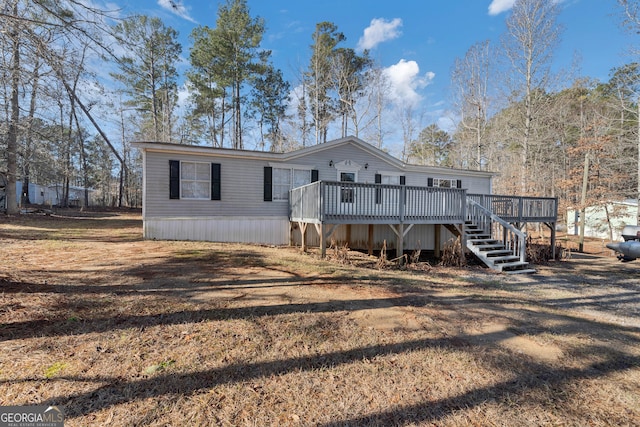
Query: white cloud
(177, 8)
(498, 6)
(405, 80)
(380, 30)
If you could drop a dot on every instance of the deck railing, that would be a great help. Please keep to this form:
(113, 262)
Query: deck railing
(333, 202)
(518, 209)
(499, 229)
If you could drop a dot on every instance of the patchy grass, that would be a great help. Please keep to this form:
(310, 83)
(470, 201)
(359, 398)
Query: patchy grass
(122, 331)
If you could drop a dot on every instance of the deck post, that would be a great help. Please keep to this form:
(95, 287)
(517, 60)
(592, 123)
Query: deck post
(520, 210)
(436, 240)
(323, 242)
(303, 232)
(370, 240)
(552, 228)
(463, 243)
(291, 239)
(553, 240)
(400, 249)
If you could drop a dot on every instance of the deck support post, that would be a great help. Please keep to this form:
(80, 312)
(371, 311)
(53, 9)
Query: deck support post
(463, 243)
(324, 235)
(303, 232)
(291, 239)
(553, 240)
(400, 232)
(400, 249)
(370, 240)
(552, 228)
(436, 240)
(323, 241)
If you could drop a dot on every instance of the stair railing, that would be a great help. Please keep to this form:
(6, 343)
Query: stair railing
(513, 239)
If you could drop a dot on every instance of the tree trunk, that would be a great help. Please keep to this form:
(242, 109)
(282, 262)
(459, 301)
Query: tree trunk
(12, 136)
(24, 195)
(238, 112)
(83, 161)
(583, 202)
(26, 157)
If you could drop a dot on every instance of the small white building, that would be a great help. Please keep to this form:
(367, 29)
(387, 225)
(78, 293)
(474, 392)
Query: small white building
(51, 195)
(604, 219)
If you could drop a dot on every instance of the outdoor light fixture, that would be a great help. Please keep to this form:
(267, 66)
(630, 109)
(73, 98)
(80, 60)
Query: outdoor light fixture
(330, 163)
(366, 165)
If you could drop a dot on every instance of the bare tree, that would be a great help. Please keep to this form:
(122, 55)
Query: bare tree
(407, 120)
(470, 80)
(14, 116)
(379, 89)
(39, 33)
(532, 35)
(631, 20)
(349, 73)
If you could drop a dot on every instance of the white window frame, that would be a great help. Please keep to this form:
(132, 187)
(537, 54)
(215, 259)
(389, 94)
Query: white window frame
(275, 196)
(395, 178)
(195, 180)
(453, 183)
(347, 194)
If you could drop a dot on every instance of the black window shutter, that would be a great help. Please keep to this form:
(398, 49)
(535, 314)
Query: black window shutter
(459, 183)
(403, 180)
(216, 182)
(429, 182)
(268, 191)
(314, 175)
(378, 180)
(174, 179)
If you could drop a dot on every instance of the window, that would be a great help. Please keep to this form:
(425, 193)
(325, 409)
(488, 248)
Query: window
(281, 183)
(286, 179)
(390, 179)
(195, 180)
(346, 193)
(444, 183)
(301, 177)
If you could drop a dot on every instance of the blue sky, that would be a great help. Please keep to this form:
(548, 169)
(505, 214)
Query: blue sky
(417, 41)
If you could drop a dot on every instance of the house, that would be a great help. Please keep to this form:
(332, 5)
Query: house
(348, 190)
(51, 195)
(604, 221)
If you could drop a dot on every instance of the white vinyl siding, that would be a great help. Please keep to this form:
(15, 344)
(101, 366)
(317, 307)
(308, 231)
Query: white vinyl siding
(237, 228)
(243, 180)
(286, 179)
(195, 180)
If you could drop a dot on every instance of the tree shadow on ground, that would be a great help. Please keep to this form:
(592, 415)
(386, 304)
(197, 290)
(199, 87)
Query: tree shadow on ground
(533, 376)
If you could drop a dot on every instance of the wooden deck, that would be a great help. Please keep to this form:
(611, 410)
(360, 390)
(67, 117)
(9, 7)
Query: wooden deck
(326, 204)
(329, 202)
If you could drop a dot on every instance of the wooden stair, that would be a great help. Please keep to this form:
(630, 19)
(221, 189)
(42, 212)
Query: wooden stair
(493, 252)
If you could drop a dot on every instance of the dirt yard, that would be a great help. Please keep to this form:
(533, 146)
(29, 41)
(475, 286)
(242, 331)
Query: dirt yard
(121, 331)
